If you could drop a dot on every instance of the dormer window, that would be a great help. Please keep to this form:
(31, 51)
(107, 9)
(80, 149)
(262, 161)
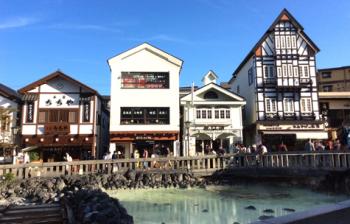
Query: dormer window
(211, 95)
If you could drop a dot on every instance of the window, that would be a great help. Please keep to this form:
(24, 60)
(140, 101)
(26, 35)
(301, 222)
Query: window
(72, 117)
(294, 42)
(288, 105)
(283, 42)
(144, 115)
(5, 123)
(327, 88)
(238, 90)
(296, 72)
(288, 42)
(306, 105)
(86, 112)
(42, 116)
(210, 95)
(279, 72)
(228, 114)
(209, 114)
(277, 39)
(222, 114)
(285, 72)
(198, 114)
(30, 112)
(270, 105)
(304, 71)
(250, 77)
(290, 70)
(217, 114)
(53, 116)
(145, 80)
(268, 71)
(204, 114)
(326, 75)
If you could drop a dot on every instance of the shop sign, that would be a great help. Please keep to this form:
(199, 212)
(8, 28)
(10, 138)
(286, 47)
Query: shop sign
(143, 137)
(291, 127)
(209, 128)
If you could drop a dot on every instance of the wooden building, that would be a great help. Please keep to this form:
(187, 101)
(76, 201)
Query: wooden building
(62, 115)
(278, 80)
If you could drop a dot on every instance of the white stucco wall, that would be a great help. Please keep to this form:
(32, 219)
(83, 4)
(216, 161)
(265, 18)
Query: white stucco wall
(144, 61)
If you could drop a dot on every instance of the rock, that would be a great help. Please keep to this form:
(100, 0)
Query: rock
(289, 209)
(130, 175)
(205, 210)
(60, 185)
(235, 222)
(264, 217)
(250, 207)
(269, 211)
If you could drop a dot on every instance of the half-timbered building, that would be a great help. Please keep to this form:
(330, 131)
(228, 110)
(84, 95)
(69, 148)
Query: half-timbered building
(62, 115)
(278, 80)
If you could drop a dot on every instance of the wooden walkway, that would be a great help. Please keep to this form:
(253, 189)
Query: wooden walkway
(33, 214)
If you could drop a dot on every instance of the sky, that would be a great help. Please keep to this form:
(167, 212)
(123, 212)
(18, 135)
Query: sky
(37, 37)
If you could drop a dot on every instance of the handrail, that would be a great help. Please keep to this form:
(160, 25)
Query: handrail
(207, 164)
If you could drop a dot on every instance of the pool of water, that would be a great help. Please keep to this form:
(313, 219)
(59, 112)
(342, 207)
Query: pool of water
(217, 204)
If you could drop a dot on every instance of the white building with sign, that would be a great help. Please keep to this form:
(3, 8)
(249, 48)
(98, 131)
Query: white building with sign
(62, 115)
(144, 101)
(211, 117)
(278, 80)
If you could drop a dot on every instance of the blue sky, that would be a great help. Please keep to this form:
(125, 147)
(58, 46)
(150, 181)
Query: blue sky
(77, 37)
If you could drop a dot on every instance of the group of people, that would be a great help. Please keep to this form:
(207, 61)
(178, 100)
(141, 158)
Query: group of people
(240, 148)
(327, 145)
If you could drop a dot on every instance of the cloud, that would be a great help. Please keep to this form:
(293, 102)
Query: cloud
(91, 27)
(17, 22)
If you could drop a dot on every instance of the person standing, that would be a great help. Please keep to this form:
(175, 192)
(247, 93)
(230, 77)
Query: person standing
(145, 156)
(309, 146)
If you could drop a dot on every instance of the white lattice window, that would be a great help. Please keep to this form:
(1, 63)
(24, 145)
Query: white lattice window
(288, 105)
(288, 42)
(305, 104)
(290, 70)
(294, 42)
(285, 71)
(270, 105)
(277, 40)
(283, 46)
(304, 71)
(269, 71)
(296, 71)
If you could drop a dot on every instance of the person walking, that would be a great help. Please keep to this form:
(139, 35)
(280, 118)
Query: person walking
(145, 156)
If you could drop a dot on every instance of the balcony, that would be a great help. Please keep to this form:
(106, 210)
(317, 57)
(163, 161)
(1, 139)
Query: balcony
(305, 81)
(56, 128)
(272, 116)
(289, 116)
(307, 116)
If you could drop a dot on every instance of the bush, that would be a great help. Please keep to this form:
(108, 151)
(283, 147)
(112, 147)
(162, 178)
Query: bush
(9, 177)
(34, 156)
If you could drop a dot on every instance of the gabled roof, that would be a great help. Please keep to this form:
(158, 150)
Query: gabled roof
(334, 68)
(53, 76)
(216, 87)
(284, 16)
(9, 93)
(146, 46)
(210, 73)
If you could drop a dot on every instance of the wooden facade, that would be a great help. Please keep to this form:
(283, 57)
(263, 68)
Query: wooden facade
(63, 114)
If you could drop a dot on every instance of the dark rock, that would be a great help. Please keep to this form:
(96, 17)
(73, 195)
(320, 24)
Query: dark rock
(289, 209)
(264, 217)
(269, 211)
(205, 210)
(235, 222)
(250, 207)
(130, 175)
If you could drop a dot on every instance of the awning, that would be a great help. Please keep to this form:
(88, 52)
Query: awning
(30, 97)
(225, 135)
(201, 136)
(300, 134)
(30, 148)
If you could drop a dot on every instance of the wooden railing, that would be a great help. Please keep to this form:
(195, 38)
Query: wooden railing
(203, 165)
(297, 160)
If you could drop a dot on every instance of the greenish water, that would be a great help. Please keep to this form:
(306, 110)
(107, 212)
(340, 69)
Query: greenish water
(217, 204)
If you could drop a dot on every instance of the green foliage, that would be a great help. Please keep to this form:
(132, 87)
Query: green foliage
(9, 177)
(33, 156)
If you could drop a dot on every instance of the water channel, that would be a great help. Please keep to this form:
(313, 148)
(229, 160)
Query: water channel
(218, 204)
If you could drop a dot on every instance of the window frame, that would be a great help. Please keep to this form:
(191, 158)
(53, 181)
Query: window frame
(306, 106)
(288, 105)
(273, 104)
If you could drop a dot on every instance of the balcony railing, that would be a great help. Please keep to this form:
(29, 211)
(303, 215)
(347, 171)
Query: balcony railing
(270, 81)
